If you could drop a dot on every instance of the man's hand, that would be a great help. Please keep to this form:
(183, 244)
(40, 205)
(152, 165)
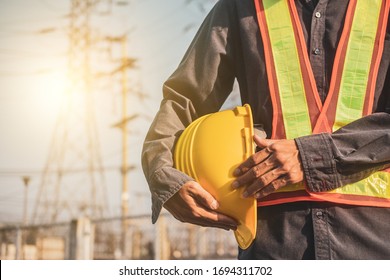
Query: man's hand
(276, 165)
(193, 204)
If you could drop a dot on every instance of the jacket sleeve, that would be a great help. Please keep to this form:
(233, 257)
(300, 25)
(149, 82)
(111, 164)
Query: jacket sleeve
(200, 85)
(348, 155)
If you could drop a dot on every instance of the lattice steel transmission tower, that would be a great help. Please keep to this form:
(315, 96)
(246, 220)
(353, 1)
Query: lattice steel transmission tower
(73, 184)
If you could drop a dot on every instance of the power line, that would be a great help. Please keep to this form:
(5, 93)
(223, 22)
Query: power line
(26, 52)
(32, 73)
(29, 21)
(50, 7)
(20, 172)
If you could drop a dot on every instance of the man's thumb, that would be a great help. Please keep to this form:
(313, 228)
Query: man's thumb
(262, 143)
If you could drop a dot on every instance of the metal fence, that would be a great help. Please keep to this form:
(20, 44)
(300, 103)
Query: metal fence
(34, 242)
(116, 238)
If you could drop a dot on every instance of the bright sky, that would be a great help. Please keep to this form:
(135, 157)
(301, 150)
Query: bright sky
(33, 67)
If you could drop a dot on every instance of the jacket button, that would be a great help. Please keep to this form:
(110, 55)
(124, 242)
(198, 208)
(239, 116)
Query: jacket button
(319, 214)
(316, 51)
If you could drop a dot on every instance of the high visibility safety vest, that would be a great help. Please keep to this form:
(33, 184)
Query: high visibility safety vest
(297, 108)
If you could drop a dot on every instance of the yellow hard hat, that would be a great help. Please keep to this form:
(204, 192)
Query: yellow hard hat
(209, 150)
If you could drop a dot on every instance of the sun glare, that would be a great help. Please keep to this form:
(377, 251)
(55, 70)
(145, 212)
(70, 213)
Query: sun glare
(54, 88)
(50, 92)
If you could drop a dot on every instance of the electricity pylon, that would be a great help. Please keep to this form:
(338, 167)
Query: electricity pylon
(73, 184)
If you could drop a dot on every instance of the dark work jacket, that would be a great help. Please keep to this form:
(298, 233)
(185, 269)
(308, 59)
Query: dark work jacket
(228, 47)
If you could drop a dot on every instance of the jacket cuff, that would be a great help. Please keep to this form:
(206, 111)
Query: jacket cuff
(164, 183)
(318, 162)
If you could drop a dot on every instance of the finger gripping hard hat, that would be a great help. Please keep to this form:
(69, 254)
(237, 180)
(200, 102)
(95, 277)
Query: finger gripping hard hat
(209, 150)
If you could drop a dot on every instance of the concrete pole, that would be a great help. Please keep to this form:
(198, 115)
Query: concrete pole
(162, 245)
(26, 181)
(81, 239)
(18, 244)
(125, 188)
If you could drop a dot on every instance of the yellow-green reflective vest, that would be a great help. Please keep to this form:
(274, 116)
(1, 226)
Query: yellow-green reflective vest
(297, 108)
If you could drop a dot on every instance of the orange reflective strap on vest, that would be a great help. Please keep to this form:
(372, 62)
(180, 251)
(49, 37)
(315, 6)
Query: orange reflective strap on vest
(297, 108)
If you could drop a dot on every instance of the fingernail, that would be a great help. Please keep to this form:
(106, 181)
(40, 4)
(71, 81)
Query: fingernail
(233, 227)
(235, 185)
(214, 205)
(237, 172)
(259, 195)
